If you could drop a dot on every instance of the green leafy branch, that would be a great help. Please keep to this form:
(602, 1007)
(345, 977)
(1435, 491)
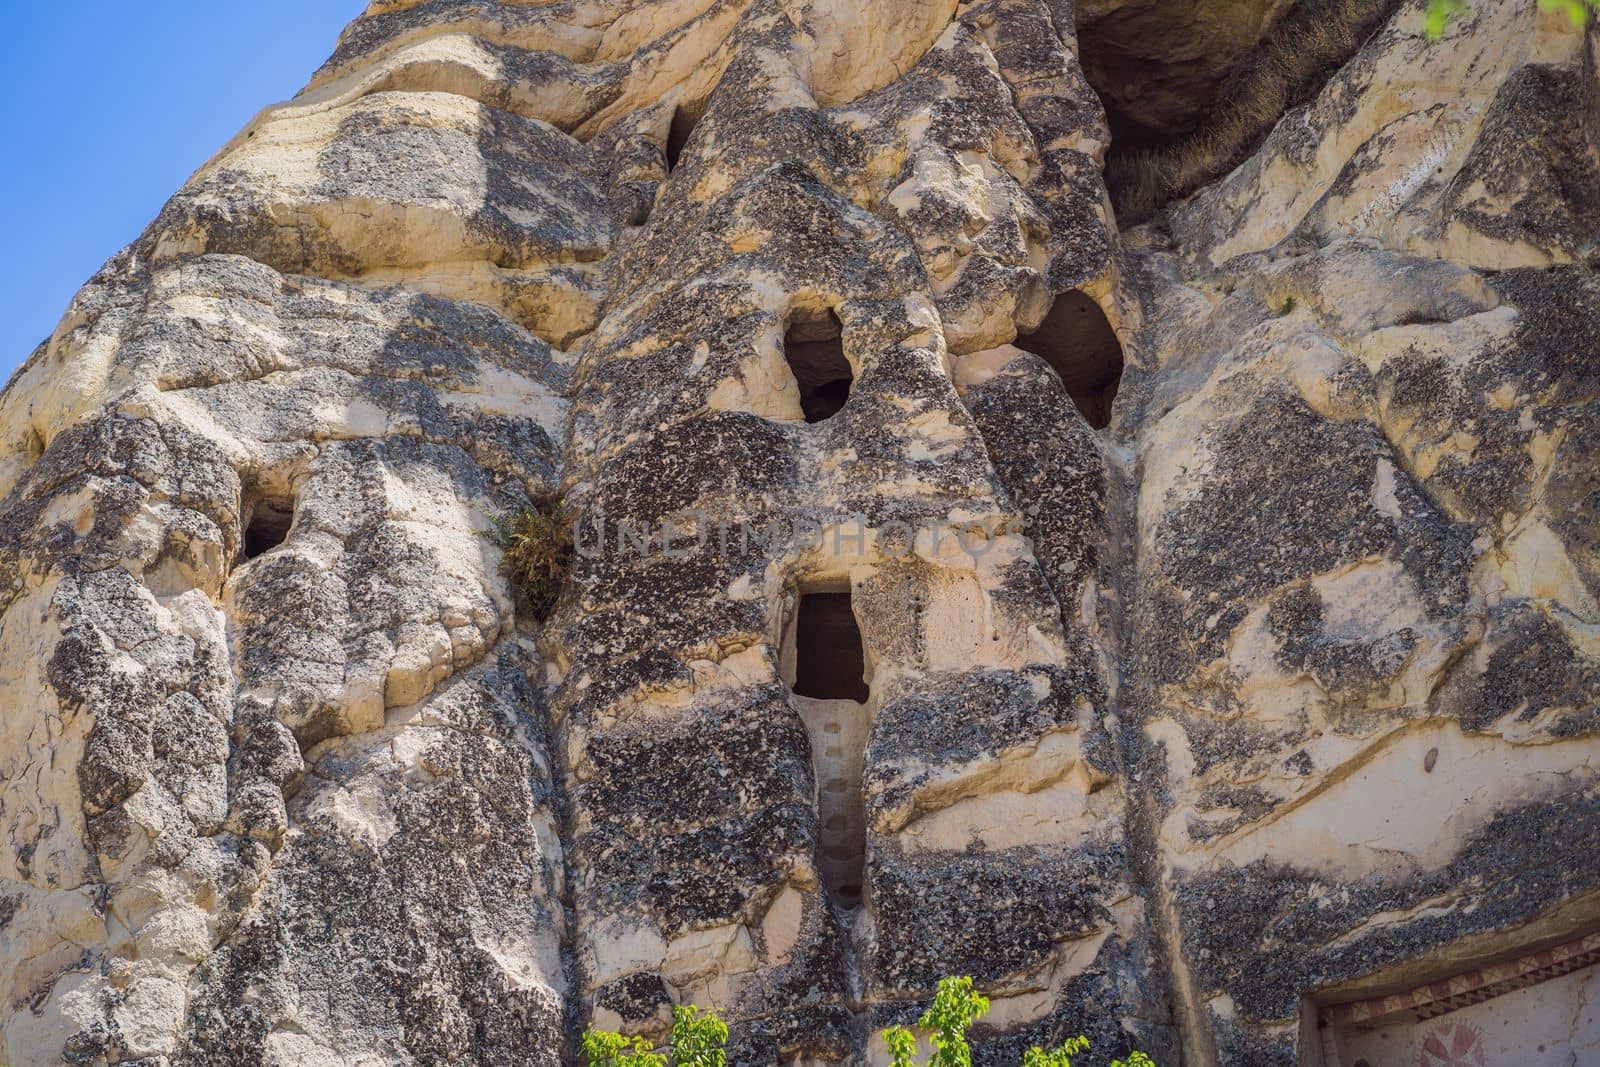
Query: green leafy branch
(955, 1008)
(1440, 12)
(700, 1039)
(603, 1048)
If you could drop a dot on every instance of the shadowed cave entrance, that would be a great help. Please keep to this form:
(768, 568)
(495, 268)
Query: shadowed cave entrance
(266, 525)
(1078, 342)
(813, 346)
(678, 136)
(1182, 117)
(824, 664)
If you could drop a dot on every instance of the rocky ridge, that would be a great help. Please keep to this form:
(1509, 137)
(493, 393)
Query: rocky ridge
(1225, 588)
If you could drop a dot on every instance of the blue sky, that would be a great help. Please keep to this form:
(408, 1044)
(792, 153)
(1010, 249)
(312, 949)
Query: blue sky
(112, 106)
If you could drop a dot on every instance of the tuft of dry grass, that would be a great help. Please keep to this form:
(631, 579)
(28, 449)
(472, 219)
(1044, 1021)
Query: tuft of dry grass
(1308, 47)
(536, 553)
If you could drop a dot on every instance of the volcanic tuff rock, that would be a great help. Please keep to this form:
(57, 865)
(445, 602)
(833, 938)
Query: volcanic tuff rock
(1271, 674)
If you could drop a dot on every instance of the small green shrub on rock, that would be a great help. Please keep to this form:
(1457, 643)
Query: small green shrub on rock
(536, 547)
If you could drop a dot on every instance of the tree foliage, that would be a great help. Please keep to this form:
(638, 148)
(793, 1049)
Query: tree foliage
(700, 1038)
(1440, 12)
(1057, 1057)
(955, 1008)
(602, 1048)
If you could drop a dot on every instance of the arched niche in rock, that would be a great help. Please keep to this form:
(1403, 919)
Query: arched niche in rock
(1077, 340)
(813, 348)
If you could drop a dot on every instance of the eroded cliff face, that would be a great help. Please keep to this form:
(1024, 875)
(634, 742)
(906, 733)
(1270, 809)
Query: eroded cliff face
(1217, 599)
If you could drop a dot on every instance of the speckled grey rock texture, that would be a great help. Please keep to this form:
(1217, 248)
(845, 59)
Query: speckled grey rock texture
(1279, 688)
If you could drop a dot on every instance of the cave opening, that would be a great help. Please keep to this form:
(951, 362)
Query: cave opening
(830, 663)
(1181, 118)
(267, 525)
(825, 666)
(1077, 340)
(683, 122)
(813, 346)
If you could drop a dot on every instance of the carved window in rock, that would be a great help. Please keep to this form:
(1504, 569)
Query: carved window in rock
(1077, 340)
(267, 521)
(829, 661)
(813, 346)
(825, 666)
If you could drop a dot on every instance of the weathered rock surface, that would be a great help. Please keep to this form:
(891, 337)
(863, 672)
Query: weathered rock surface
(1181, 712)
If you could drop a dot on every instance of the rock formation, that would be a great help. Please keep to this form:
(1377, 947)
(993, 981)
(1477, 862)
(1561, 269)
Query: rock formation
(1192, 632)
